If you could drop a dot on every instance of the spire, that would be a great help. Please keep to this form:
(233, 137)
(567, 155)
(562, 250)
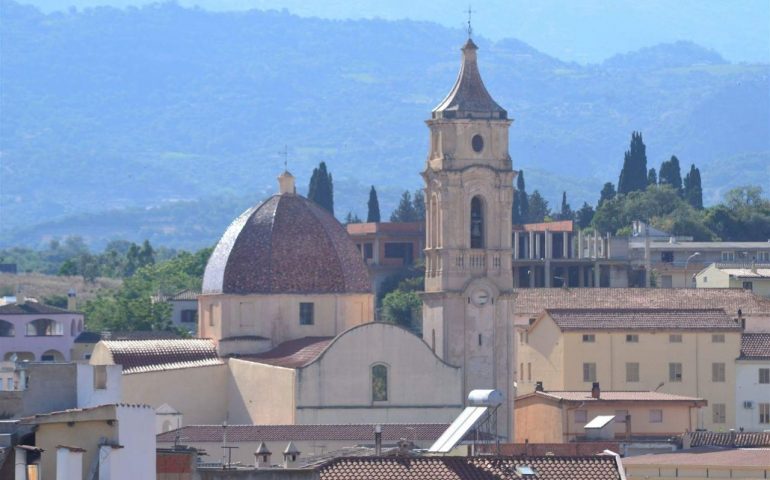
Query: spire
(469, 97)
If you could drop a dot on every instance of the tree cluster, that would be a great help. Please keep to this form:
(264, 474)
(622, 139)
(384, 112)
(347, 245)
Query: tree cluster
(321, 188)
(409, 209)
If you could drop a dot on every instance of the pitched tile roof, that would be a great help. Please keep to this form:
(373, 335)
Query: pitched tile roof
(293, 353)
(287, 244)
(616, 396)
(532, 301)
(729, 439)
(706, 457)
(470, 468)
(747, 272)
(755, 346)
(281, 433)
(642, 319)
(31, 308)
(153, 355)
(94, 337)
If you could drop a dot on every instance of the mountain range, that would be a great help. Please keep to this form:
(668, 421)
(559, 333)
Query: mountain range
(164, 122)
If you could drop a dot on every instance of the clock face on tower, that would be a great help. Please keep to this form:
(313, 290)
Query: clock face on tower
(480, 297)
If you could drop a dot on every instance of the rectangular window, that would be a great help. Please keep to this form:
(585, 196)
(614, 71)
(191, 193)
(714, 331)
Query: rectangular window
(620, 416)
(763, 257)
(581, 416)
(667, 257)
(717, 372)
(764, 413)
(764, 375)
(589, 372)
(529, 372)
(728, 256)
(306, 313)
(368, 251)
(189, 316)
(674, 372)
(1, 385)
(402, 250)
(589, 338)
(632, 372)
(100, 377)
(632, 338)
(719, 413)
(718, 338)
(521, 371)
(748, 286)
(656, 415)
(10, 384)
(675, 338)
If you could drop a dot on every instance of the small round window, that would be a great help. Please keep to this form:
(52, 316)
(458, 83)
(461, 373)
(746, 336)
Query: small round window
(477, 142)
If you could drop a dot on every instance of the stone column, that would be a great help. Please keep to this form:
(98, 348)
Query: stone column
(580, 245)
(565, 244)
(516, 245)
(531, 245)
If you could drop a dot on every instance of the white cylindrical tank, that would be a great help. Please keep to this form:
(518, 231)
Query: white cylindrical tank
(485, 398)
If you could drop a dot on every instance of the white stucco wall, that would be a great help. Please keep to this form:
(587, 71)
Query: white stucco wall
(748, 388)
(136, 433)
(89, 396)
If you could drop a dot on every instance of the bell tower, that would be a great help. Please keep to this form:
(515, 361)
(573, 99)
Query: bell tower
(469, 196)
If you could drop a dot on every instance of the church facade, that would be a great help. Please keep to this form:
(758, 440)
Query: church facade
(469, 177)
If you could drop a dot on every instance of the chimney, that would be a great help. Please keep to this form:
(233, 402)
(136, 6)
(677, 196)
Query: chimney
(595, 390)
(539, 387)
(286, 183)
(290, 456)
(72, 300)
(628, 427)
(262, 456)
(378, 440)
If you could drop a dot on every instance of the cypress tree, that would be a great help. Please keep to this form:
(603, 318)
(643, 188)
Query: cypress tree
(693, 191)
(373, 205)
(321, 188)
(633, 176)
(584, 215)
(607, 193)
(671, 174)
(566, 212)
(520, 201)
(652, 177)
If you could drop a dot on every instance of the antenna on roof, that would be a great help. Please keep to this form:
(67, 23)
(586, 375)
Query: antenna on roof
(470, 29)
(285, 154)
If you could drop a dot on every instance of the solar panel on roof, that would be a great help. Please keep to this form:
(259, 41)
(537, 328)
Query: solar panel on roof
(458, 429)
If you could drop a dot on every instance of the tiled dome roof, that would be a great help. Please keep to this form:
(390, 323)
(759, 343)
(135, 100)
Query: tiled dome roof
(287, 244)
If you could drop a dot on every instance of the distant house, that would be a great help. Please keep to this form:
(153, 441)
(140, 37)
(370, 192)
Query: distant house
(37, 332)
(184, 309)
(749, 276)
(563, 416)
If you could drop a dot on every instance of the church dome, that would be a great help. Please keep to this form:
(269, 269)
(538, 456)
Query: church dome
(287, 244)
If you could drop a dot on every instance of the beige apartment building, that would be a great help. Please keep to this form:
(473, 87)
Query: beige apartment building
(688, 352)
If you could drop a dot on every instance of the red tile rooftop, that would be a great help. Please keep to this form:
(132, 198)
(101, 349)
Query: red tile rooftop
(729, 439)
(615, 396)
(293, 353)
(642, 319)
(153, 355)
(755, 346)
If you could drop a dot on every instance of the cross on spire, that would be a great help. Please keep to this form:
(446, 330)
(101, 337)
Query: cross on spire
(285, 154)
(470, 13)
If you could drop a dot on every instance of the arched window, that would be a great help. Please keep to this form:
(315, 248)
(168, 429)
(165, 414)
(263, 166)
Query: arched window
(7, 329)
(52, 356)
(379, 383)
(44, 327)
(477, 222)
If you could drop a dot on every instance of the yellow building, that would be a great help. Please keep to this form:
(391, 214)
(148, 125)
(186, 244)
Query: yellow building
(683, 352)
(559, 416)
(752, 277)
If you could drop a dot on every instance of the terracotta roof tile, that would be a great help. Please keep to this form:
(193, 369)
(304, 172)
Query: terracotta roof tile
(391, 432)
(706, 457)
(755, 346)
(293, 353)
(31, 308)
(470, 468)
(287, 244)
(642, 319)
(729, 439)
(152, 355)
(617, 396)
(532, 301)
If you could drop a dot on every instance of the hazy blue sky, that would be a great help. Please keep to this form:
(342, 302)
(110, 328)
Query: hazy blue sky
(585, 31)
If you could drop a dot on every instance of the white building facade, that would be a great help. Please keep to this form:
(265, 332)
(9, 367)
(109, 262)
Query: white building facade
(752, 383)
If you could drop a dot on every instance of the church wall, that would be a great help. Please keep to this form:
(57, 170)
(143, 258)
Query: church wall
(540, 357)
(198, 393)
(259, 393)
(276, 316)
(337, 387)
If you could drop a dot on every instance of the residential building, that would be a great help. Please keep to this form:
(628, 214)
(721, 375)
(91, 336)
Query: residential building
(744, 306)
(700, 463)
(37, 332)
(753, 276)
(689, 352)
(557, 254)
(84, 344)
(116, 440)
(561, 416)
(752, 383)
